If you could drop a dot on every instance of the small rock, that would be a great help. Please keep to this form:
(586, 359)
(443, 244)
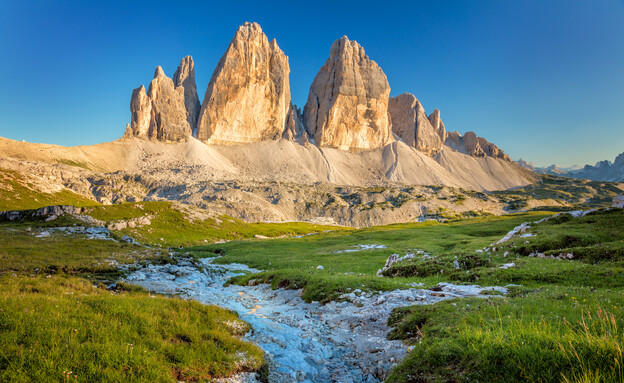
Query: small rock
(319, 267)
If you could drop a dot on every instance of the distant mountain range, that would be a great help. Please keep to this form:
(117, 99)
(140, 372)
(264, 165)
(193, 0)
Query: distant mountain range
(602, 171)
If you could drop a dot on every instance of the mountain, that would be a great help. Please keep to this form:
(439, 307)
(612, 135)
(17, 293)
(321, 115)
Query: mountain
(347, 107)
(601, 171)
(246, 150)
(248, 97)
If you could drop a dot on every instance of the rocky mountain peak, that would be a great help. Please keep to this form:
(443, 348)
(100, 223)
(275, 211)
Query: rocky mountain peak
(475, 146)
(160, 113)
(184, 77)
(347, 106)
(411, 124)
(248, 97)
(159, 72)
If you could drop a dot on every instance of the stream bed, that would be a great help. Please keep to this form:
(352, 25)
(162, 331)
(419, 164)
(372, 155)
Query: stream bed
(306, 342)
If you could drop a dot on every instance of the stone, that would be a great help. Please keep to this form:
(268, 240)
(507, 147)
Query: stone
(347, 106)
(161, 113)
(184, 77)
(411, 124)
(248, 97)
(128, 239)
(618, 201)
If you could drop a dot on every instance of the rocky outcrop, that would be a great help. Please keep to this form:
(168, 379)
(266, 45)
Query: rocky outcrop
(248, 97)
(618, 201)
(163, 113)
(184, 77)
(475, 146)
(437, 124)
(49, 213)
(347, 106)
(411, 124)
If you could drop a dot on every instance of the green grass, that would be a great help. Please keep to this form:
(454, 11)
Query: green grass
(292, 262)
(172, 226)
(561, 325)
(16, 193)
(551, 335)
(23, 253)
(51, 326)
(56, 315)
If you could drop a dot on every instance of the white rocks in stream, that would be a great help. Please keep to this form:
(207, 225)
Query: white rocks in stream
(310, 342)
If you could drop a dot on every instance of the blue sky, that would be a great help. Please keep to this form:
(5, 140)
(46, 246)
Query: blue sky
(544, 80)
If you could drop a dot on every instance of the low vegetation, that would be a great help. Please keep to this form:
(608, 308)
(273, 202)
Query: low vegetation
(66, 329)
(346, 266)
(17, 193)
(177, 225)
(572, 193)
(60, 322)
(561, 321)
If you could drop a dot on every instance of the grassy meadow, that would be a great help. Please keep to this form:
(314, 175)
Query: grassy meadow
(60, 322)
(561, 322)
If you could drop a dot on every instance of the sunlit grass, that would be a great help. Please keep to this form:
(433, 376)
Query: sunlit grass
(64, 328)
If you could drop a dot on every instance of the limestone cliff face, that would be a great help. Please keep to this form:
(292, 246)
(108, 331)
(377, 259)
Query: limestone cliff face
(347, 106)
(411, 124)
(161, 113)
(184, 76)
(475, 146)
(248, 97)
(437, 124)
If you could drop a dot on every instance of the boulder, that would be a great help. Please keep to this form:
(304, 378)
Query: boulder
(411, 124)
(347, 106)
(248, 97)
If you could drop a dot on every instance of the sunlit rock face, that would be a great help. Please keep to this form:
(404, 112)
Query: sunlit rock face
(248, 97)
(475, 146)
(411, 124)
(347, 106)
(162, 113)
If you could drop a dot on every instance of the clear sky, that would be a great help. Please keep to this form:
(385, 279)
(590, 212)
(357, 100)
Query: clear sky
(543, 79)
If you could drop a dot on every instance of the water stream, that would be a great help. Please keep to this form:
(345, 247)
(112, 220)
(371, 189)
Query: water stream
(307, 342)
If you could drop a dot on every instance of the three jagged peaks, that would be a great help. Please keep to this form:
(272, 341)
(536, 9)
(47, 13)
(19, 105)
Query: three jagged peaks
(248, 100)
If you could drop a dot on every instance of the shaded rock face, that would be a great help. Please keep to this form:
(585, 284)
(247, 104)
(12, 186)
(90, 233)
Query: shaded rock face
(295, 130)
(184, 76)
(248, 97)
(411, 124)
(347, 106)
(475, 146)
(161, 113)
